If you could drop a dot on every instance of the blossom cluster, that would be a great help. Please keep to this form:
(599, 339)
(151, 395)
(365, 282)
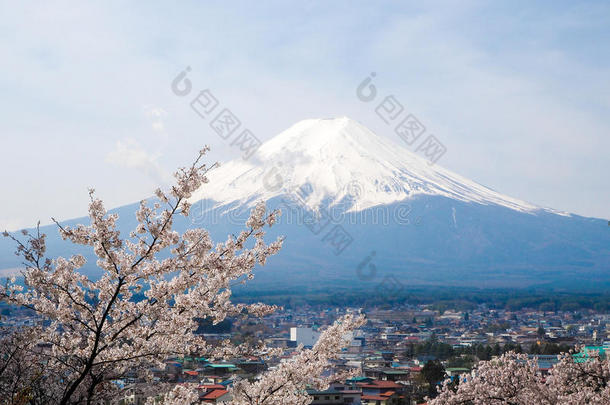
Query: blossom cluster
(99, 331)
(515, 379)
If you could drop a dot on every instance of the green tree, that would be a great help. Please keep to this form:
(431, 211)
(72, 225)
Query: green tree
(541, 332)
(535, 349)
(433, 373)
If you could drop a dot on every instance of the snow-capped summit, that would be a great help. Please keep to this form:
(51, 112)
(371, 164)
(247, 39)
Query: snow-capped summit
(415, 224)
(339, 159)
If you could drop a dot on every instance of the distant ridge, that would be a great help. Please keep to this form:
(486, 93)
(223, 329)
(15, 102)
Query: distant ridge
(362, 213)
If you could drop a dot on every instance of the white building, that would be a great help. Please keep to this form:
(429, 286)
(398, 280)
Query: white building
(305, 336)
(308, 337)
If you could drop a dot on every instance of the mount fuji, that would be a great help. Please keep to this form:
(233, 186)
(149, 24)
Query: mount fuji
(360, 211)
(339, 158)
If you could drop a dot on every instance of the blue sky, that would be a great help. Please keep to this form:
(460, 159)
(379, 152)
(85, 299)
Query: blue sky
(518, 92)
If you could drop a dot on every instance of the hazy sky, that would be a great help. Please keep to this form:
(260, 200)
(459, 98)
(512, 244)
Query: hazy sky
(518, 92)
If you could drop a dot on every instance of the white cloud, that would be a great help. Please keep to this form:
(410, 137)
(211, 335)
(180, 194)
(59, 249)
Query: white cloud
(13, 224)
(128, 153)
(158, 126)
(522, 106)
(11, 271)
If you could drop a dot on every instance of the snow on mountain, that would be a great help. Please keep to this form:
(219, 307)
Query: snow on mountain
(340, 159)
(434, 227)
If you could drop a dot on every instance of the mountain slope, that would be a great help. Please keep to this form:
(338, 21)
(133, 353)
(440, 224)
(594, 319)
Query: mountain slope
(362, 212)
(340, 158)
(417, 223)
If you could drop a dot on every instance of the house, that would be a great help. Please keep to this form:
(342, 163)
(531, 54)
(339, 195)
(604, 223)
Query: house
(212, 379)
(214, 393)
(379, 392)
(190, 375)
(251, 366)
(304, 336)
(456, 371)
(333, 396)
(386, 398)
(132, 396)
(221, 369)
(387, 373)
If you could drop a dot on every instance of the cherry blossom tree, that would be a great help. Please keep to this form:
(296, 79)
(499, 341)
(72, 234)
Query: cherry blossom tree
(99, 331)
(286, 384)
(23, 378)
(515, 379)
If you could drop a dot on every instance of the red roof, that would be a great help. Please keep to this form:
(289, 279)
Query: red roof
(374, 397)
(380, 384)
(215, 394)
(212, 386)
(190, 372)
(386, 384)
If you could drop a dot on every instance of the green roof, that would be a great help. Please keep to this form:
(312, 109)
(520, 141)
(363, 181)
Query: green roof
(221, 365)
(584, 355)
